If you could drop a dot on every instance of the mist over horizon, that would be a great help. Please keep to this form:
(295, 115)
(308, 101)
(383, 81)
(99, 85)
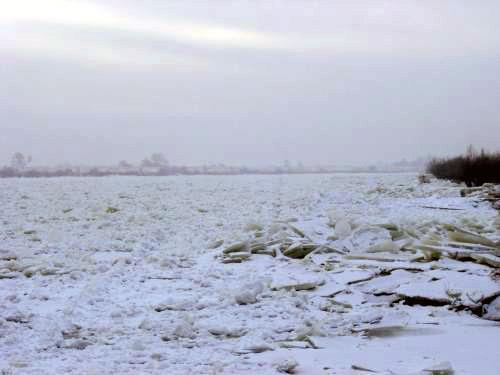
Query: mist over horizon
(357, 83)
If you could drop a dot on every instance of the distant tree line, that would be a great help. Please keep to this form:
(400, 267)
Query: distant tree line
(154, 165)
(474, 168)
(157, 165)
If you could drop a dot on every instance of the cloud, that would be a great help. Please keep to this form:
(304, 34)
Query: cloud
(404, 29)
(88, 51)
(84, 32)
(73, 13)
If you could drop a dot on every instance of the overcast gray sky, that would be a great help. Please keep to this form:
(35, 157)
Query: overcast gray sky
(247, 82)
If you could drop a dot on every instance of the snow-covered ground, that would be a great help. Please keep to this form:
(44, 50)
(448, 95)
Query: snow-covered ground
(132, 275)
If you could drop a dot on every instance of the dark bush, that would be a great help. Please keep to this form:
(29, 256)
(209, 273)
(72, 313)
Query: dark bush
(472, 168)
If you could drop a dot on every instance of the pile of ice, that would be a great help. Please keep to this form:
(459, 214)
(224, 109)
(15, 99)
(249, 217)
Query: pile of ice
(385, 242)
(373, 278)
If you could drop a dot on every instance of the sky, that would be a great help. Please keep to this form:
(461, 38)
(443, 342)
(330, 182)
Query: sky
(247, 82)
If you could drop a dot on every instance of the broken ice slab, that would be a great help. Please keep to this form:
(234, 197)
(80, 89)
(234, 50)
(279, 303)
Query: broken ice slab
(236, 247)
(443, 368)
(297, 230)
(449, 287)
(215, 244)
(362, 368)
(236, 257)
(376, 257)
(388, 246)
(228, 332)
(297, 345)
(470, 246)
(482, 256)
(493, 310)
(349, 298)
(297, 283)
(253, 348)
(466, 237)
(367, 237)
(353, 276)
(488, 259)
(299, 250)
(388, 284)
(380, 330)
(330, 289)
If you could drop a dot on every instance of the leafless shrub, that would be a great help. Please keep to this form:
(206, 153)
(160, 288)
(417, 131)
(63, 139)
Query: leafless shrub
(473, 168)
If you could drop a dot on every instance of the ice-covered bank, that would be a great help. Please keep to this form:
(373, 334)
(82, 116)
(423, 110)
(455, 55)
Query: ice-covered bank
(313, 274)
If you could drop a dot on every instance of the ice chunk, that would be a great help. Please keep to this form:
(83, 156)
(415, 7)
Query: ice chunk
(248, 294)
(287, 365)
(443, 368)
(342, 229)
(364, 238)
(493, 310)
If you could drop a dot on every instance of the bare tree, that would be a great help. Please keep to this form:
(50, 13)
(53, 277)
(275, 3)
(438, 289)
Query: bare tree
(124, 164)
(146, 163)
(159, 160)
(471, 152)
(19, 161)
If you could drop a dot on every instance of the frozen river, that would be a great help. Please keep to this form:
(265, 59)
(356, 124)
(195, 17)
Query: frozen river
(126, 275)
